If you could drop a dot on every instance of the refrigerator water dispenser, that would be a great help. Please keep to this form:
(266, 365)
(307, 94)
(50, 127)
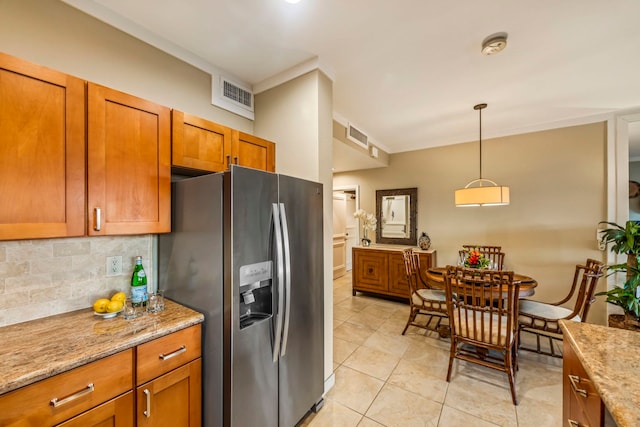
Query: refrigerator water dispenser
(255, 296)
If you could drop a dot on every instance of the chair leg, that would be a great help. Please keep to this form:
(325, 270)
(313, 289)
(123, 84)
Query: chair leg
(452, 355)
(412, 318)
(509, 364)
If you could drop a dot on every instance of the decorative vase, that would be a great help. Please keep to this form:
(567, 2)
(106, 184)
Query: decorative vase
(424, 241)
(366, 242)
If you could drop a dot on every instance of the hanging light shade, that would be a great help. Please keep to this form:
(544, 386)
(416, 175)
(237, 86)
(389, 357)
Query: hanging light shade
(481, 191)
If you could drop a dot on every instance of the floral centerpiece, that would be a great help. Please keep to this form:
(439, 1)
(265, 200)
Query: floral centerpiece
(476, 259)
(368, 222)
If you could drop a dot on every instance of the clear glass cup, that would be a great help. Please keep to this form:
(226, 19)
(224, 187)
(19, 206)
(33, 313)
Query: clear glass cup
(130, 311)
(155, 303)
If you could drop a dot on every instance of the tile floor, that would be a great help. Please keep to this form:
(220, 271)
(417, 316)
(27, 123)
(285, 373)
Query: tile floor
(383, 378)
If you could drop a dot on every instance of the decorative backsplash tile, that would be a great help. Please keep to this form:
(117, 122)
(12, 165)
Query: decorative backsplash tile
(39, 278)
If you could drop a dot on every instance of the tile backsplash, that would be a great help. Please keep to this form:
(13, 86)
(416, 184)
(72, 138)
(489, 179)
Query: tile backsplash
(39, 278)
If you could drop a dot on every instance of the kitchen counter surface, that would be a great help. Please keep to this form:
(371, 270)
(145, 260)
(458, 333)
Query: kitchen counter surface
(38, 349)
(610, 357)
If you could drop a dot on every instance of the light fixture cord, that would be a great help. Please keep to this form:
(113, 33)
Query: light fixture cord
(480, 111)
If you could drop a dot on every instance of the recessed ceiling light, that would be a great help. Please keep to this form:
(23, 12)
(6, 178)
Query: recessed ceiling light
(292, 1)
(494, 43)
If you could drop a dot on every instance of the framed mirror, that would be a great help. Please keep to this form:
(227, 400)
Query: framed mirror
(396, 215)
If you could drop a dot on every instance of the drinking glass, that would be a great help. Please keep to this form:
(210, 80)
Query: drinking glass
(155, 304)
(129, 311)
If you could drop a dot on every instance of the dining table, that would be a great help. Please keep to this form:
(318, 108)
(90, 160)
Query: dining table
(434, 277)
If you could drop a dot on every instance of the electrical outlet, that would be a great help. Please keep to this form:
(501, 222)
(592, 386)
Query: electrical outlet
(114, 265)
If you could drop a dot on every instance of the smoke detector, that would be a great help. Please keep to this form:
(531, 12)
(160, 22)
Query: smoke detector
(494, 43)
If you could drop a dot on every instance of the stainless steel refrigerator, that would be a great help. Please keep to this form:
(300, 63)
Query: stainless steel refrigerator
(246, 249)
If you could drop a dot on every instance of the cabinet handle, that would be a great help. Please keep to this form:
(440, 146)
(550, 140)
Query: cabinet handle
(228, 161)
(574, 379)
(147, 412)
(574, 423)
(55, 402)
(182, 349)
(98, 219)
(235, 160)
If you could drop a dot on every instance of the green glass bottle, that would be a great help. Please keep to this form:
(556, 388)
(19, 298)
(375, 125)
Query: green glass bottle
(138, 284)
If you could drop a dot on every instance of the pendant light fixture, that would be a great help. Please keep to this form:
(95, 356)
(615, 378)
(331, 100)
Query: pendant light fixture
(481, 191)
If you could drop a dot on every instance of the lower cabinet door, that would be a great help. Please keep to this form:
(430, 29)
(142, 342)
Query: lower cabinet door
(117, 412)
(173, 399)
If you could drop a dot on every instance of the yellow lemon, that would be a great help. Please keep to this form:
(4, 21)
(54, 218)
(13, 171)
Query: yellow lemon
(100, 306)
(114, 306)
(120, 296)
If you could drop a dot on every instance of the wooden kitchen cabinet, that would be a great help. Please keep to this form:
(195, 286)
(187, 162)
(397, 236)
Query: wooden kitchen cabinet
(582, 405)
(380, 270)
(198, 144)
(253, 152)
(69, 394)
(117, 412)
(128, 164)
(169, 380)
(42, 152)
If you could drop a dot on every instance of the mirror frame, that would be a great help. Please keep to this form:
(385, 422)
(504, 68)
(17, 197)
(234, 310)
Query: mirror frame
(413, 226)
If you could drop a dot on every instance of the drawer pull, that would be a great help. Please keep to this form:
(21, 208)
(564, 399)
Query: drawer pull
(574, 379)
(182, 349)
(147, 412)
(574, 423)
(98, 224)
(55, 402)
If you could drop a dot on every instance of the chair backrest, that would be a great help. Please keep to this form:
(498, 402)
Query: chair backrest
(493, 253)
(586, 279)
(482, 305)
(411, 268)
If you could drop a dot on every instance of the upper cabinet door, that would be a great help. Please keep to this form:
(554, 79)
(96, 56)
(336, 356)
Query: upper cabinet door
(253, 152)
(41, 152)
(199, 144)
(128, 164)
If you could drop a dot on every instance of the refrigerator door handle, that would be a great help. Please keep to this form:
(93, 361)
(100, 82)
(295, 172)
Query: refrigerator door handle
(287, 281)
(280, 277)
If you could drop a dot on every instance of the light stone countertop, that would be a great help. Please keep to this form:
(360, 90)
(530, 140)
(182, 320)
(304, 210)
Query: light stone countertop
(611, 357)
(38, 349)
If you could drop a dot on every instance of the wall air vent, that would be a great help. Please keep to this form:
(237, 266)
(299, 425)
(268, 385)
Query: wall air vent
(357, 136)
(232, 96)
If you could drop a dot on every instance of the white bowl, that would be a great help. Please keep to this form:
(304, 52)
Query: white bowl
(107, 315)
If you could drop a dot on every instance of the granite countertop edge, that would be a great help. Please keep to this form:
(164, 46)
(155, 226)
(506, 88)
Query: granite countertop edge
(36, 350)
(604, 354)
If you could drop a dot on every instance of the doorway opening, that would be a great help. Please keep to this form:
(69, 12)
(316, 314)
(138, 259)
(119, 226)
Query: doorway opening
(346, 200)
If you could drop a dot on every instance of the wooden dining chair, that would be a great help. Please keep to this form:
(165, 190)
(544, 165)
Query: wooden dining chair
(483, 310)
(542, 319)
(423, 300)
(493, 253)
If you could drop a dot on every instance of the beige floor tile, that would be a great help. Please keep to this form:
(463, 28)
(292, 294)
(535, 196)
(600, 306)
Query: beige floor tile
(539, 382)
(354, 389)
(352, 332)
(368, 422)
(429, 352)
(536, 413)
(451, 417)
(372, 362)
(365, 319)
(394, 344)
(333, 414)
(354, 303)
(481, 397)
(341, 313)
(342, 349)
(393, 325)
(397, 407)
(421, 379)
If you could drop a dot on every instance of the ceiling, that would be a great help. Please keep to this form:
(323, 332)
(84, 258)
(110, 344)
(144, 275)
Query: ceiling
(409, 72)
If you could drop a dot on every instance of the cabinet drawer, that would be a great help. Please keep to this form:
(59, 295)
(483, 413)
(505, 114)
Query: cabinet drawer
(164, 354)
(587, 397)
(73, 392)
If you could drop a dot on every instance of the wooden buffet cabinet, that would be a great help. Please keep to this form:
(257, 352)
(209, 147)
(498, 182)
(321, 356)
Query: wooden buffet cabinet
(379, 269)
(161, 379)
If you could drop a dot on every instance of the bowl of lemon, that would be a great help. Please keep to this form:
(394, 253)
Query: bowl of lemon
(108, 308)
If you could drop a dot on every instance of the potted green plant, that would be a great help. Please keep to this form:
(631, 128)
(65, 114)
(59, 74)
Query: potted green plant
(624, 240)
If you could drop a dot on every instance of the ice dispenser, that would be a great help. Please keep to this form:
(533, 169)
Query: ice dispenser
(255, 298)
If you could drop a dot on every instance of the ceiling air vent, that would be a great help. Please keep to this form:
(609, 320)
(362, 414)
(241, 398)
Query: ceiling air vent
(231, 96)
(357, 136)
